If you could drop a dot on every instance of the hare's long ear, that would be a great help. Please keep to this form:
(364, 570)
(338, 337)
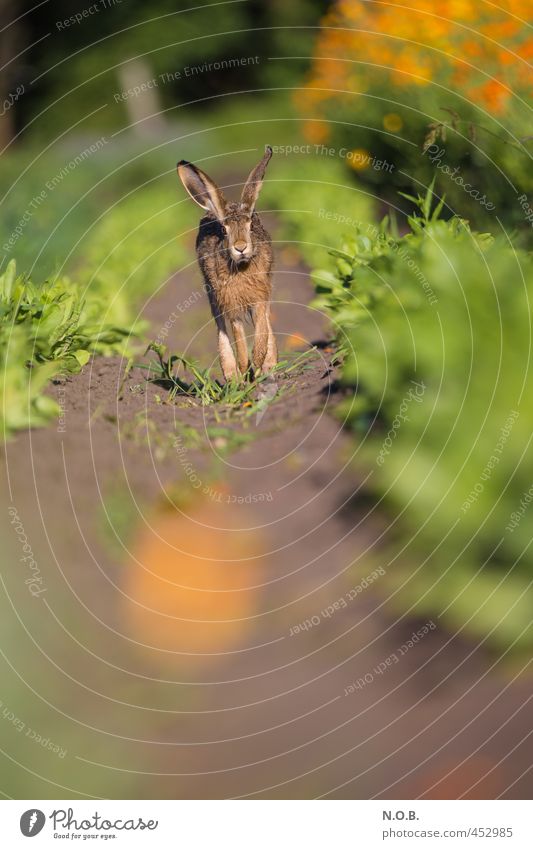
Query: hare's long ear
(253, 184)
(202, 189)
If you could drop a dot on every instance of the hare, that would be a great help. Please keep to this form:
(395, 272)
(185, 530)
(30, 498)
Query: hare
(235, 257)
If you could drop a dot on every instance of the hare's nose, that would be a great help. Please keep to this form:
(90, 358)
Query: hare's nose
(240, 246)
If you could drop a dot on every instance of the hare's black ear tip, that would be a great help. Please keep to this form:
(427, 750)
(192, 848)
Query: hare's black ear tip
(182, 162)
(269, 149)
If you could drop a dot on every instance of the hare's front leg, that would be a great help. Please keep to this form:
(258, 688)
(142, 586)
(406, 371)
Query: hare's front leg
(265, 352)
(225, 351)
(241, 345)
(271, 358)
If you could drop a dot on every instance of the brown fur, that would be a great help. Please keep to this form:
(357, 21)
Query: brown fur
(235, 257)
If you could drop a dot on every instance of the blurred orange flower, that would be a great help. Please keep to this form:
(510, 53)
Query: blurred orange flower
(483, 48)
(392, 122)
(189, 589)
(358, 159)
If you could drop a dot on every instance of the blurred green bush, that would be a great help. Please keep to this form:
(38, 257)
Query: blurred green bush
(482, 179)
(307, 192)
(45, 330)
(78, 73)
(436, 330)
(115, 226)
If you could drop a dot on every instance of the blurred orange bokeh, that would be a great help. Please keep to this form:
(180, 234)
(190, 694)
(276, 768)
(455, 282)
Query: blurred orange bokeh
(482, 49)
(189, 587)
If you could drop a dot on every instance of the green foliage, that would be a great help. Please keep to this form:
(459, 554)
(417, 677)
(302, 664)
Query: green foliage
(45, 330)
(435, 326)
(203, 387)
(315, 201)
(127, 250)
(132, 249)
(226, 440)
(183, 377)
(118, 206)
(481, 163)
(79, 70)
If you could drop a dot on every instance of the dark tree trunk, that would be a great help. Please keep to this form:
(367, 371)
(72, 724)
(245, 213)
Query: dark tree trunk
(10, 43)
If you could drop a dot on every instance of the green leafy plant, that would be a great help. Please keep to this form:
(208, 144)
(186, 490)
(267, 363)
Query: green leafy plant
(184, 378)
(45, 330)
(314, 201)
(445, 310)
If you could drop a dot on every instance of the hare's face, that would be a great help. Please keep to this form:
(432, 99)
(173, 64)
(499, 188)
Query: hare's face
(235, 218)
(237, 226)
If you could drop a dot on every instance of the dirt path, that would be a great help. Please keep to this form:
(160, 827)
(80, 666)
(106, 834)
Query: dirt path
(205, 601)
